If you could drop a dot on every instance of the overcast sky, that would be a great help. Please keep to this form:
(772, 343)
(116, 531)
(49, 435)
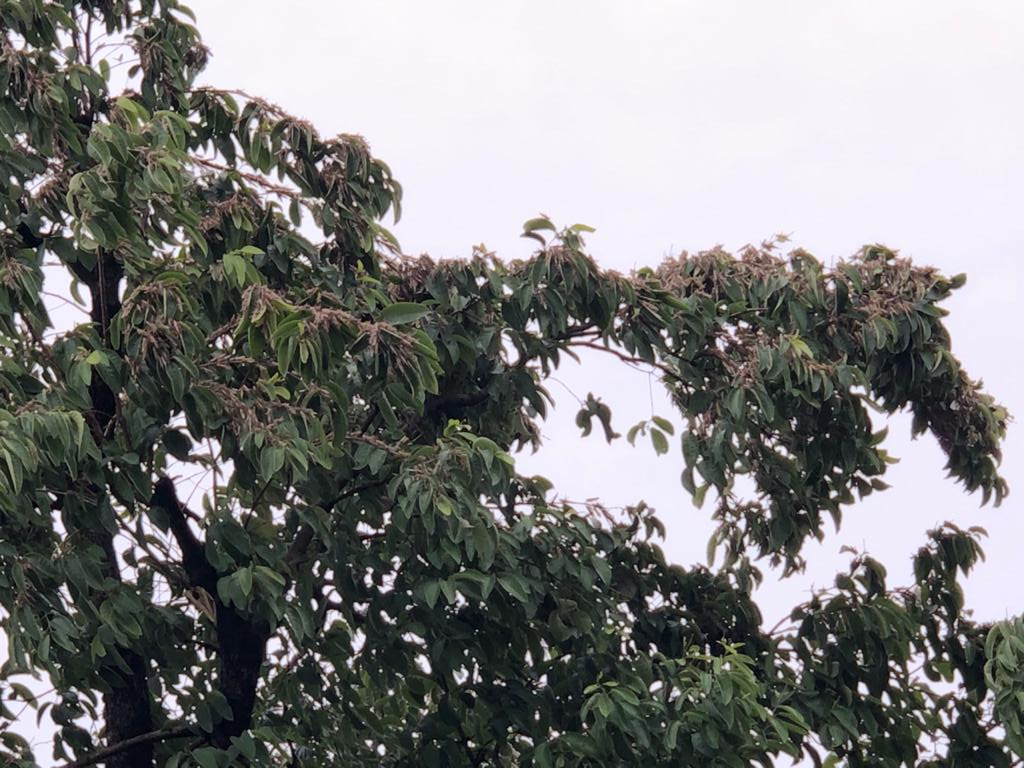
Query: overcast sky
(671, 125)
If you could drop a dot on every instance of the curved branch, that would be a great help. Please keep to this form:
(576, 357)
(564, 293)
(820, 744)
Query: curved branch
(193, 554)
(166, 734)
(627, 358)
(252, 178)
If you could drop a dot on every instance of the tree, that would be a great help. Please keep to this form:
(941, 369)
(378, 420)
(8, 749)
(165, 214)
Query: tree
(366, 579)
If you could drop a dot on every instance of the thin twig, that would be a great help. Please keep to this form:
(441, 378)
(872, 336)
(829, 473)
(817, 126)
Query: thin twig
(637, 361)
(250, 177)
(88, 39)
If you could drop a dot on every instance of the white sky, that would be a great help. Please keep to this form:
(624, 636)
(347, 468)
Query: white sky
(672, 125)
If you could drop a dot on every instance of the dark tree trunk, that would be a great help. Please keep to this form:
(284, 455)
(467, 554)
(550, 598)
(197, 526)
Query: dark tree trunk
(127, 713)
(242, 643)
(241, 639)
(127, 707)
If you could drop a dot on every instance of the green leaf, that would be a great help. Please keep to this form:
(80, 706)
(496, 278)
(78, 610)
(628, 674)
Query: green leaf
(177, 444)
(712, 548)
(800, 347)
(271, 461)
(234, 268)
(207, 757)
(269, 579)
(403, 312)
(245, 745)
(245, 581)
(659, 441)
(538, 223)
(449, 589)
(736, 404)
(632, 433)
(444, 505)
(515, 585)
(664, 424)
(603, 569)
(672, 735)
(699, 493)
(431, 591)
(848, 720)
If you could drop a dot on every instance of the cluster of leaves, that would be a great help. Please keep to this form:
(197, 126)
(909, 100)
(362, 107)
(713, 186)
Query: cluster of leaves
(367, 579)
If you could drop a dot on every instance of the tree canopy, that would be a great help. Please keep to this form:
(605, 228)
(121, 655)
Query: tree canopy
(363, 578)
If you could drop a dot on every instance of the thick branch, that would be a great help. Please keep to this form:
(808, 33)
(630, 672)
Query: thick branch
(457, 400)
(153, 737)
(198, 569)
(299, 545)
(241, 639)
(128, 703)
(305, 536)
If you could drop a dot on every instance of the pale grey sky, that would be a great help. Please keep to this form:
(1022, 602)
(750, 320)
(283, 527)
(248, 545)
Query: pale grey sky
(670, 125)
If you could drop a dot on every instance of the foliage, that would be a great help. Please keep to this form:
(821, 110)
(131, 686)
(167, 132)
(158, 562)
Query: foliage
(367, 580)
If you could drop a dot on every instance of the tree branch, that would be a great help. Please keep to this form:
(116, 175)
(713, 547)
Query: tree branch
(626, 358)
(252, 178)
(166, 734)
(241, 638)
(297, 549)
(193, 555)
(305, 536)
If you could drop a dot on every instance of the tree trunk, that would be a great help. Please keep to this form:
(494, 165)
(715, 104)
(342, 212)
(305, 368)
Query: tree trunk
(127, 708)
